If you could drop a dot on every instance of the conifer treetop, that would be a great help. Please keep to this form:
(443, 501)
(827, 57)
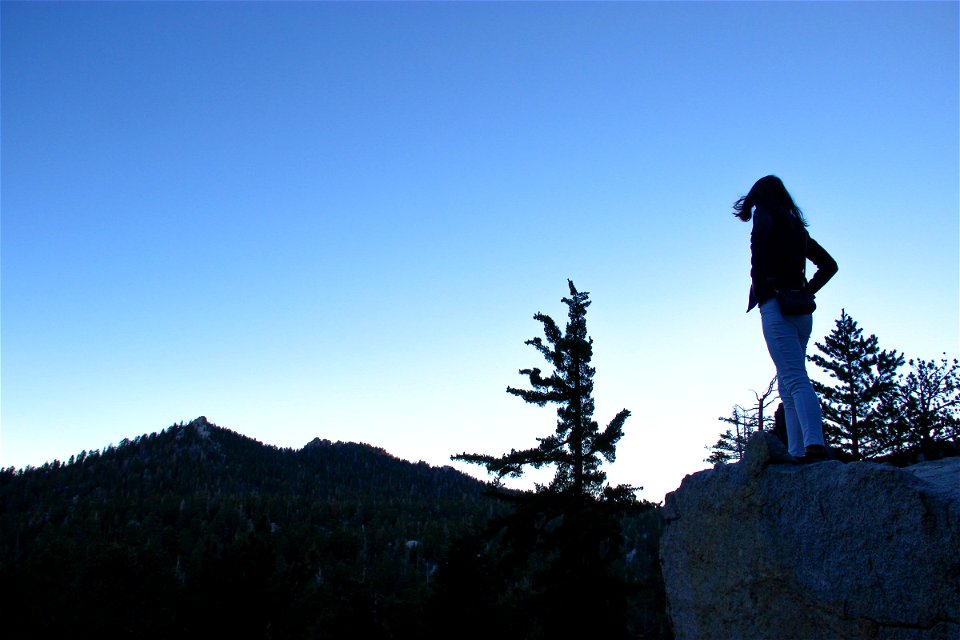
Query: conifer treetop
(577, 446)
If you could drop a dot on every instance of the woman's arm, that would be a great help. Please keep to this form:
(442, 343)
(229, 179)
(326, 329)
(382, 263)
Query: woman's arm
(826, 265)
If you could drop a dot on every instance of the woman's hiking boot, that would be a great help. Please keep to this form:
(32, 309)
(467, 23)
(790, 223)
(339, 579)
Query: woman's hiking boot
(814, 453)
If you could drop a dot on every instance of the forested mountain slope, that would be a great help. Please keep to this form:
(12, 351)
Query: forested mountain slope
(197, 530)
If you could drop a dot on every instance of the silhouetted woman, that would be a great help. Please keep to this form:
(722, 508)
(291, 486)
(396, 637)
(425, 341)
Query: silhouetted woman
(779, 249)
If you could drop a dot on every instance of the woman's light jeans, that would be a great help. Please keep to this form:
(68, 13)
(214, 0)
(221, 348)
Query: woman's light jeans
(787, 338)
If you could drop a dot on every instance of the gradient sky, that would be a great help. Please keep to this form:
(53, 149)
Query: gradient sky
(338, 219)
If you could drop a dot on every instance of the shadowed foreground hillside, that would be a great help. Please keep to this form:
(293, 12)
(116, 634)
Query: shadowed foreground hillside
(197, 530)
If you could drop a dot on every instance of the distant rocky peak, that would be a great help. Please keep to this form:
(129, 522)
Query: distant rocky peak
(202, 426)
(317, 442)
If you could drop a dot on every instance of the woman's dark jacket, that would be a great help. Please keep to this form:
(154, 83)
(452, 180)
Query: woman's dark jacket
(779, 249)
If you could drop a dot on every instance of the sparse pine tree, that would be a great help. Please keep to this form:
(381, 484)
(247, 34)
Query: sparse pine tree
(578, 446)
(560, 554)
(733, 442)
(855, 406)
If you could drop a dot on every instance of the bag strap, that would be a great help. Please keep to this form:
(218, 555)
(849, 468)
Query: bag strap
(806, 237)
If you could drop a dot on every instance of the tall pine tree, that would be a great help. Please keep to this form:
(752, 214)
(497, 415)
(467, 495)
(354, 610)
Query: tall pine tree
(578, 447)
(856, 405)
(559, 555)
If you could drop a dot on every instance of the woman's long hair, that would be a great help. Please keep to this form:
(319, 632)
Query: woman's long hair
(767, 192)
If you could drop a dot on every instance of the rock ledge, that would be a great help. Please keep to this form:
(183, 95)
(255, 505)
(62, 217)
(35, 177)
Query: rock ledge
(763, 549)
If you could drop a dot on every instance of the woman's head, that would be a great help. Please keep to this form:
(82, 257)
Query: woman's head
(767, 192)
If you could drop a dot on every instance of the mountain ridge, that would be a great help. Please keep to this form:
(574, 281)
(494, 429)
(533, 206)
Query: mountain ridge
(151, 533)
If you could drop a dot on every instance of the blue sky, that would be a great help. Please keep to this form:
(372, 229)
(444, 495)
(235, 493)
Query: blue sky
(338, 219)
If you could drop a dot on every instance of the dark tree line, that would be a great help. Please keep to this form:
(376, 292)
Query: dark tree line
(872, 409)
(197, 531)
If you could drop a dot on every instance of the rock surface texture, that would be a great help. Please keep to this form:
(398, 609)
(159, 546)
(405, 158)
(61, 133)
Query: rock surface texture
(763, 549)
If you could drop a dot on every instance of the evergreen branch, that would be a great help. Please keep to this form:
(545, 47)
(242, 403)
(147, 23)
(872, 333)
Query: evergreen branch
(550, 328)
(606, 443)
(473, 458)
(539, 398)
(537, 343)
(538, 381)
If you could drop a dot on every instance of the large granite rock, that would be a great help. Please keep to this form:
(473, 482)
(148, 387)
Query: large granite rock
(768, 549)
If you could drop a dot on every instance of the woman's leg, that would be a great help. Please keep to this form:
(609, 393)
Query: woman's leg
(786, 338)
